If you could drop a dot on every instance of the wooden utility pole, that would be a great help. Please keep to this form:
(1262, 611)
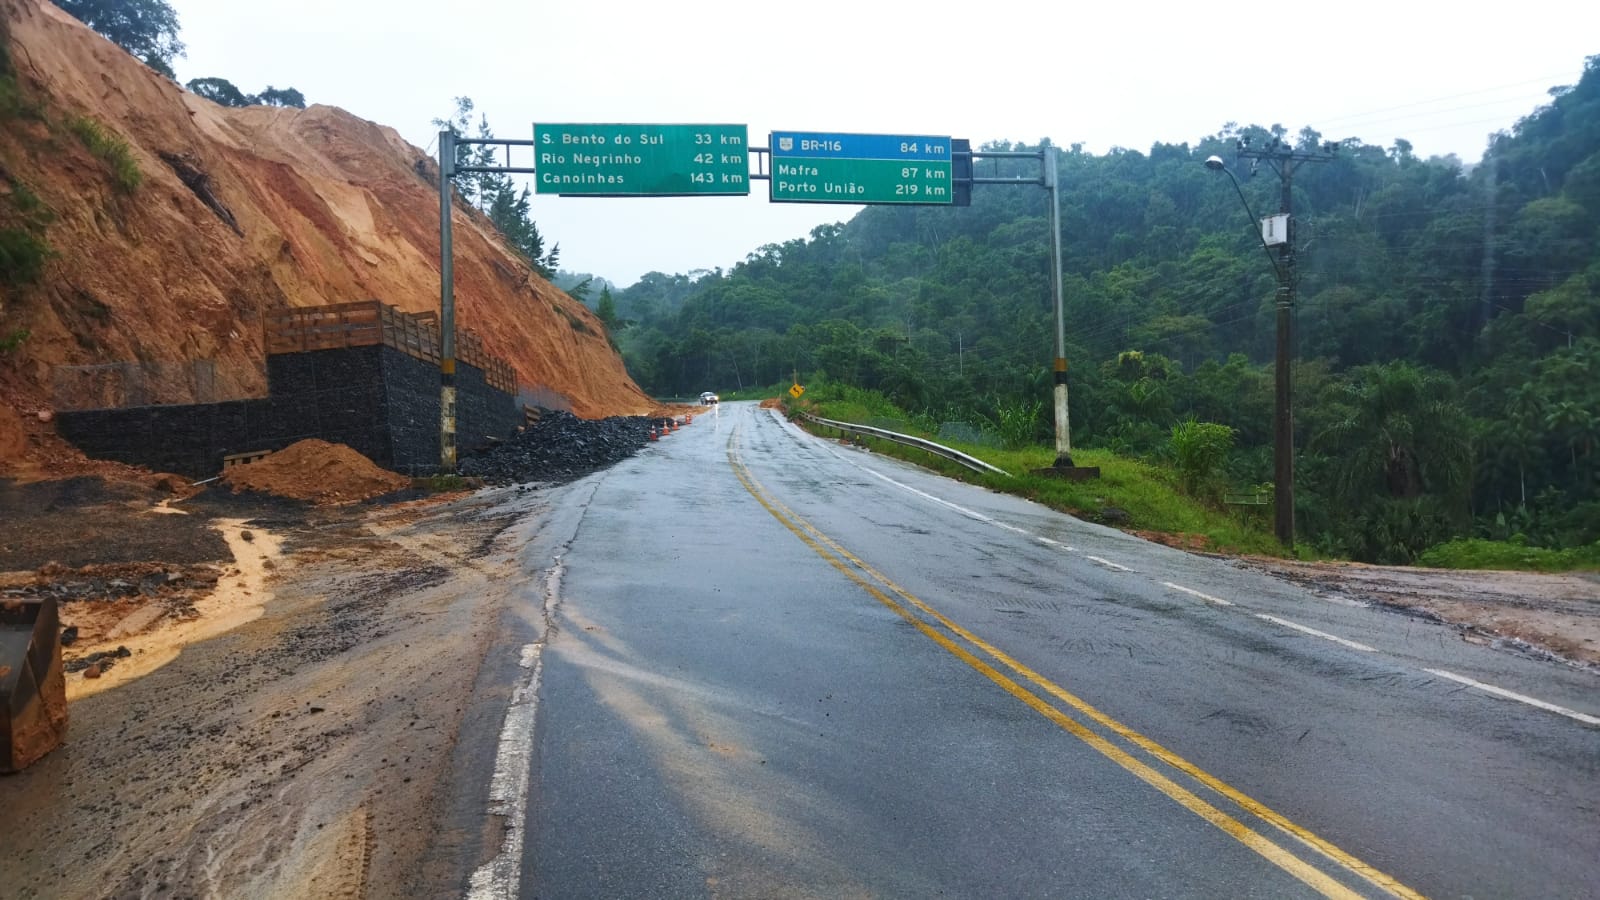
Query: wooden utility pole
(1284, 159)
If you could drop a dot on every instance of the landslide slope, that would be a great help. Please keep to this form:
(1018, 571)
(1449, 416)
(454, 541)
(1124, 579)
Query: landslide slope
(236, 211)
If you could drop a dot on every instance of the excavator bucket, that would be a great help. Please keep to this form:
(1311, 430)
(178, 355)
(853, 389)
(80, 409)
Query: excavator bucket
(33, 687)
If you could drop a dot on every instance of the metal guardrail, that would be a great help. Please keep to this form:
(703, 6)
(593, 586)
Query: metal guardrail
(955, 456)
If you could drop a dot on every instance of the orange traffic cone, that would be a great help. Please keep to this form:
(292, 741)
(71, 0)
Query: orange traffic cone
(653, 433)
(688, 419)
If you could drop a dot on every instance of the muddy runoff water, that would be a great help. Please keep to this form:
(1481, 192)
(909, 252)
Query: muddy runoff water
(297, 753)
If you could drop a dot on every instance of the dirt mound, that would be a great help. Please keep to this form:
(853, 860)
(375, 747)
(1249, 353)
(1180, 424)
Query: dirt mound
(676, 410)
(323, 473)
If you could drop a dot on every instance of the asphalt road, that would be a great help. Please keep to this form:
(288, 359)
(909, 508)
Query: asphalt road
(774, 666)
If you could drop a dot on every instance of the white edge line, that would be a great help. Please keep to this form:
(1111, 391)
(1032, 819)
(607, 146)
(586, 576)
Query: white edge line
(1513, 695)
(1206, 597)
(1109, 564)
(956, 507)
(971, 514)
(1312, 631)
(500, 877)
(1052, 542)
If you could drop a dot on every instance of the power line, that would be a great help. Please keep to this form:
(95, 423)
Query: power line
(1545, 79)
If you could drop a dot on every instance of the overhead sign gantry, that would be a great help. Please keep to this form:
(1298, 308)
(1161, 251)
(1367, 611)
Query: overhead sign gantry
(622, 160)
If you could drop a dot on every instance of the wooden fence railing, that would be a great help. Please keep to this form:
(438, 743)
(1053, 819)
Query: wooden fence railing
(370, 322)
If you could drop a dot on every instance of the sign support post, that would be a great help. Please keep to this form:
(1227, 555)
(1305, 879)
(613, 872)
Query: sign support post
(447, 309)
(448, 142)
(1063, 420)
(1050, 181)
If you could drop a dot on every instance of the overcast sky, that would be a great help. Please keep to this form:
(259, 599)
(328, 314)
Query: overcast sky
(1104, 74)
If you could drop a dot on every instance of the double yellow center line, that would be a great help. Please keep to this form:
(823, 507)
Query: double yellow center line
(891, 595)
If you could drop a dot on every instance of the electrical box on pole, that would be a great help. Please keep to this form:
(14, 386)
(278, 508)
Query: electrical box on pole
(1275, 230)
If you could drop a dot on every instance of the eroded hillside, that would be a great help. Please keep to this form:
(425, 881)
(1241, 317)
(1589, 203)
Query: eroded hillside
(170, 251)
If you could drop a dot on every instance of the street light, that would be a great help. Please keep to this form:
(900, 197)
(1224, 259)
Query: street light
(1215, 164)
(1283, 414)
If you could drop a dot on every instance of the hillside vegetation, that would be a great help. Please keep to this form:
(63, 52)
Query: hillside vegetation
(1448, 325)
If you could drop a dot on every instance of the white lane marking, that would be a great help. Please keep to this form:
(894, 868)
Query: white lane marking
(501, 876)
(1206, 597)
(1513, 695)
(1109, 564)
(1312, 631)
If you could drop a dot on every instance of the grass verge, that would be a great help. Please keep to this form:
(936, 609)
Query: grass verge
(1132, 495)
(1475, 553)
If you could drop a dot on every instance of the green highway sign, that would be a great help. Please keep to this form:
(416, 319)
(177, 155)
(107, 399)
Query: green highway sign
(815, 167)
(642, 160)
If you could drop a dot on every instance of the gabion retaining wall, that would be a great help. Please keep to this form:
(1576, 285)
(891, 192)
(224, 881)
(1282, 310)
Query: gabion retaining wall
(376, 400)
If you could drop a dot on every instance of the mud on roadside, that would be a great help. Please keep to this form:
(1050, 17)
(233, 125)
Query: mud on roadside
(127, 558)
(294, 755)
(1549, 616)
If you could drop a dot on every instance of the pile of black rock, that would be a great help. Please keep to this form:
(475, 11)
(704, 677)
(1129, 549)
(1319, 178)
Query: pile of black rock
(69, 586)
(560, 447)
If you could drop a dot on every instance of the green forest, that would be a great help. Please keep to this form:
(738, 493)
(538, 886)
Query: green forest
(1447, 324)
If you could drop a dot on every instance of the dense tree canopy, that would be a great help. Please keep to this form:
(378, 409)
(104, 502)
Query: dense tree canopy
(218, 90)
(148, 29)
(222, 91)
(1448, 323)
(286, 97)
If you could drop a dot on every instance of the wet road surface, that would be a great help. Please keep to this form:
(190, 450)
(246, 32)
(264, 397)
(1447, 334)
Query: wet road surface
(772, 665)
